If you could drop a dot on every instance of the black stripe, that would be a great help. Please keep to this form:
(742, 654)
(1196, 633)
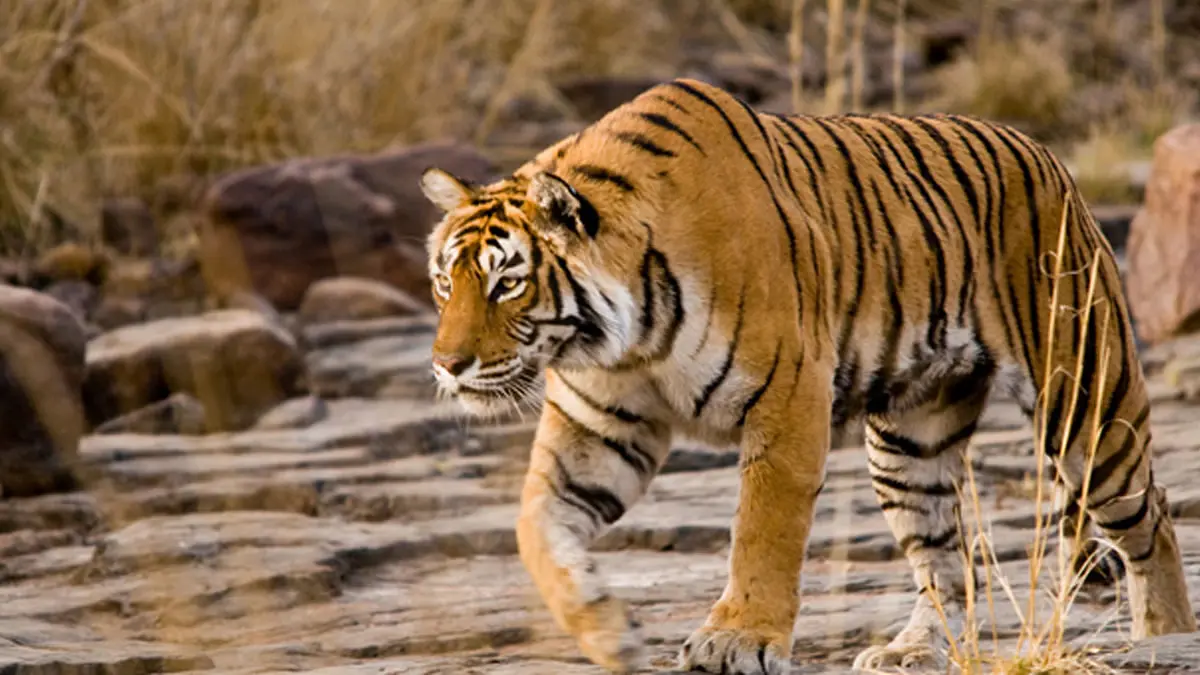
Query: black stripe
(613, 410)
(929, 542)
(892, 505)
(757, 394)
(968, 190)
(1130, 521)
(675, 291)
(664, 122)
(901, 486)
(1034, 223)
(711, 387)
(1149, 552)
(733, 130)
(633, 456)
(896, 444)
(671, 102)
(602, 174)
(599, 503)
(647, 274)
(814, 179)
(589, 320)
(708, 321)
(643, 143)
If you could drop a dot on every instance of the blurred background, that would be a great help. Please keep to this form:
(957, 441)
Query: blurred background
(219, 443)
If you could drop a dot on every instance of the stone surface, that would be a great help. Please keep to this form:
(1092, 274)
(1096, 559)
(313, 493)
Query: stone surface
(278, 228)
(41, 377)
(127, 226)
(1164, 241)
(179, 413)
(374, 534)
(296, 413)
(235, 362)
(354, 299)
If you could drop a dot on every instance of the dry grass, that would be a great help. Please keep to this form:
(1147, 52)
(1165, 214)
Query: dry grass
(1023, 81)
(108, 97)
(1041, 647)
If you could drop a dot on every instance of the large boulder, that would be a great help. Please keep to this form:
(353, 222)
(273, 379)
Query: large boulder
(276, 229)
(41, 377)
(237, 363)
(1164, 241)
(355, 299)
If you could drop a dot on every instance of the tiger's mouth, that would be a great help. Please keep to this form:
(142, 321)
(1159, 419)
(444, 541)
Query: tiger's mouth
(517, 393)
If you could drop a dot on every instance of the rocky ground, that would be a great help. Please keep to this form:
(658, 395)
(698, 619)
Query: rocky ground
(370, 531)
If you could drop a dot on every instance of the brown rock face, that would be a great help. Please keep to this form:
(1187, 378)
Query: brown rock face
(41, 377)
(1164, 241)
(355, 298)
(236, 363)
(276, 229)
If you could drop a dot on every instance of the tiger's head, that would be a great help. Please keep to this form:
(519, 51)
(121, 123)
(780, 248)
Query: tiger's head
(513, 290)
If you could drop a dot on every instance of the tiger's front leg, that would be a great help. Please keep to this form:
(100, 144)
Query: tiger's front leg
(784, 444)
(591, 461)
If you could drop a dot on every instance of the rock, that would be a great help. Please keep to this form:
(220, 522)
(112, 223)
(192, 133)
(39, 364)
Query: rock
(80, 296)
(1184, 375)
(297, 413)
(400, 365)
(279, 228)
(1164, 241)
(344, 332)
(179, 413)
(1162, 655)
(127, 226)
(355, 298)
(112, 312)
(162, 287)
(235, 362)
(42, 347)
(70, 262)
(15, 271)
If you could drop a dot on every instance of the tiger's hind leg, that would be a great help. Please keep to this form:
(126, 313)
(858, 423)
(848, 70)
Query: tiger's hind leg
(1132, 511)
(1095, 564)
(916, 464)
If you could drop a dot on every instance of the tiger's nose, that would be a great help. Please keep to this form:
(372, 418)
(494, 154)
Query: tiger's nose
(454, 364)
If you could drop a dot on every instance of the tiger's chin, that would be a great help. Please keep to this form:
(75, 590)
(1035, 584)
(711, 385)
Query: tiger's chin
(517, 397)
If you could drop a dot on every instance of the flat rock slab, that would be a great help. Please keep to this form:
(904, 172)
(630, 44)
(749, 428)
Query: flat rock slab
(375, 534)
(1164, 655)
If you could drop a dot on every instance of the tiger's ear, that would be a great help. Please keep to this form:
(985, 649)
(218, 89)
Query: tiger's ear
(566, 216)
(444, 190)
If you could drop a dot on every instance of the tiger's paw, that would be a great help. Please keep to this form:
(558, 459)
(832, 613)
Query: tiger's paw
(919, 657)
(744, 652)
(610, 638)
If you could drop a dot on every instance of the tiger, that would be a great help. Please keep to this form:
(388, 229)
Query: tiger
(689, 265)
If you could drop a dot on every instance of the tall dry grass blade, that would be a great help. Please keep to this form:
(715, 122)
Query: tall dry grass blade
(858, 59)
(1158, 41)
(1040, 423)
(522, 62)
(835, 66)
(898, 47)
(796, 54)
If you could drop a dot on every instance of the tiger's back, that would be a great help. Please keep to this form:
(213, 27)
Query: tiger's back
(689, 264)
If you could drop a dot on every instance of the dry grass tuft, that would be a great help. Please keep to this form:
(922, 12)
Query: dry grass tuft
(1041, 647)
(1019, 80)
(109, 96)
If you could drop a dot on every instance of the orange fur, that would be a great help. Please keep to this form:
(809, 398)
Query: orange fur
(688, 265)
